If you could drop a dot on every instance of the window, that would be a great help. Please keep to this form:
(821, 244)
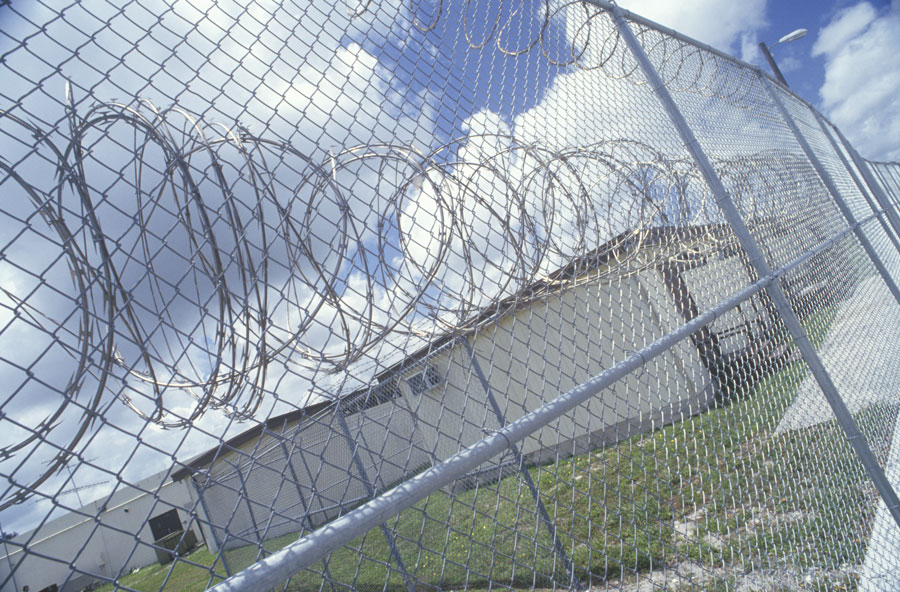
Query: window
(425, 380)
(384, 392)
(377, 395)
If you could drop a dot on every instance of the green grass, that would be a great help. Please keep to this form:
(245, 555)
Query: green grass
(794, 506)
(181, 574)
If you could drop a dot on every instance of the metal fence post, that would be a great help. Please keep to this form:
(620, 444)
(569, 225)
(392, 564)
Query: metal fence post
(863, 189)
(832, 188)
(370, 491)
(309, 523)
(895, 176)
(892, 172)
(895, 180)
(212, 527)
(520, 461)
(888, 180)
(12, 569)
(881, 181)
(757, 259)
(246, 497)
(876, 187)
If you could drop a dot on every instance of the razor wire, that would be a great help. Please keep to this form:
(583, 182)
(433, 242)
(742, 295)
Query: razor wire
(328, 327)
(240, 355)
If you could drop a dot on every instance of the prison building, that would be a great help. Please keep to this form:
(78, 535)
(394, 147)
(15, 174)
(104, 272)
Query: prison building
(134, 526)
(299, 470)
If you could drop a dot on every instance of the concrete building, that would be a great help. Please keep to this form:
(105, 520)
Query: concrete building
(300, 470)
(110, 536)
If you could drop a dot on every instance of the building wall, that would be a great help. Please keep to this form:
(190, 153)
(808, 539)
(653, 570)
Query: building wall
(117, 540)
(559, 342)
(717, 279)
(256, 493)
(529, 357)
(309, 472)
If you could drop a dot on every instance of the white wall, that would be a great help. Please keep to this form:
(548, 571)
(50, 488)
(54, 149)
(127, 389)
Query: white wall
(256, 494)
(554, 344)
(531, 356)
(116, 542)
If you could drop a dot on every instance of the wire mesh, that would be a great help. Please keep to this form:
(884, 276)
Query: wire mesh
(426, 296)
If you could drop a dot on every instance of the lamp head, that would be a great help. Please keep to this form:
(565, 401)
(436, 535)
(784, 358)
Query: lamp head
(793, 36)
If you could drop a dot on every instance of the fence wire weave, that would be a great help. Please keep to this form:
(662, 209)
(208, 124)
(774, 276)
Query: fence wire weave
(434, 296)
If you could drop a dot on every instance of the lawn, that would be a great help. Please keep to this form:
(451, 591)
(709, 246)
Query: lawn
(192, 572)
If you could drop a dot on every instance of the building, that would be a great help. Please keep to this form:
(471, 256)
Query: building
(110, 536)
(299, 470)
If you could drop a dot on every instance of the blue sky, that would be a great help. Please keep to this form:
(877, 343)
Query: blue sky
(807, 71)
(848, 65)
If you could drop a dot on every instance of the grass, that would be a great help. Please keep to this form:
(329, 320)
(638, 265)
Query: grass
(722, 492)
(177, 575)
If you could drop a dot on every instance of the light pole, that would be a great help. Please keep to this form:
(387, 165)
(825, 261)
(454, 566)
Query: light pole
(786, 39)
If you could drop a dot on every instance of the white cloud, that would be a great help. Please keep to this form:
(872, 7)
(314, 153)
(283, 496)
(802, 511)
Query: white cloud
(843, 28)
(790, 64)
(720, 23)
(750, 47)
(861, 93)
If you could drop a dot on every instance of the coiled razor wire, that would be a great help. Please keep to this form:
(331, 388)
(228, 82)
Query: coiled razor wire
(263, 273)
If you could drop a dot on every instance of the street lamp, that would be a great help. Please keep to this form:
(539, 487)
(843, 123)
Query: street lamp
(793, 36)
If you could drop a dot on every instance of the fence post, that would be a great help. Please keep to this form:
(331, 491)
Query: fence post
(212, 527)
(893, 173)
(876, 187)
(246, 497)
(309, 523)
(894, 177)
(882, 181)
(370, 492)
(866, 192)
(520, 461)
(12, 569)
(884, 175)
(831, 187)
(757, 259)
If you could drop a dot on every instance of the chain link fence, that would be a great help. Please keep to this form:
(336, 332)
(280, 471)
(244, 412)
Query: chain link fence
(434, 296)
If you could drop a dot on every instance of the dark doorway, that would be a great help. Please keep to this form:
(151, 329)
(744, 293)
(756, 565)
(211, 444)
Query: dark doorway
(165, 524)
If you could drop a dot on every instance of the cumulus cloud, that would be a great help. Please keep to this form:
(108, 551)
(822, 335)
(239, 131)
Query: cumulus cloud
(844, 28)
(861, 92)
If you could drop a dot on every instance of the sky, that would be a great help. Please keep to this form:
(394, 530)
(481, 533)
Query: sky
(848, 65)
(402, 241)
